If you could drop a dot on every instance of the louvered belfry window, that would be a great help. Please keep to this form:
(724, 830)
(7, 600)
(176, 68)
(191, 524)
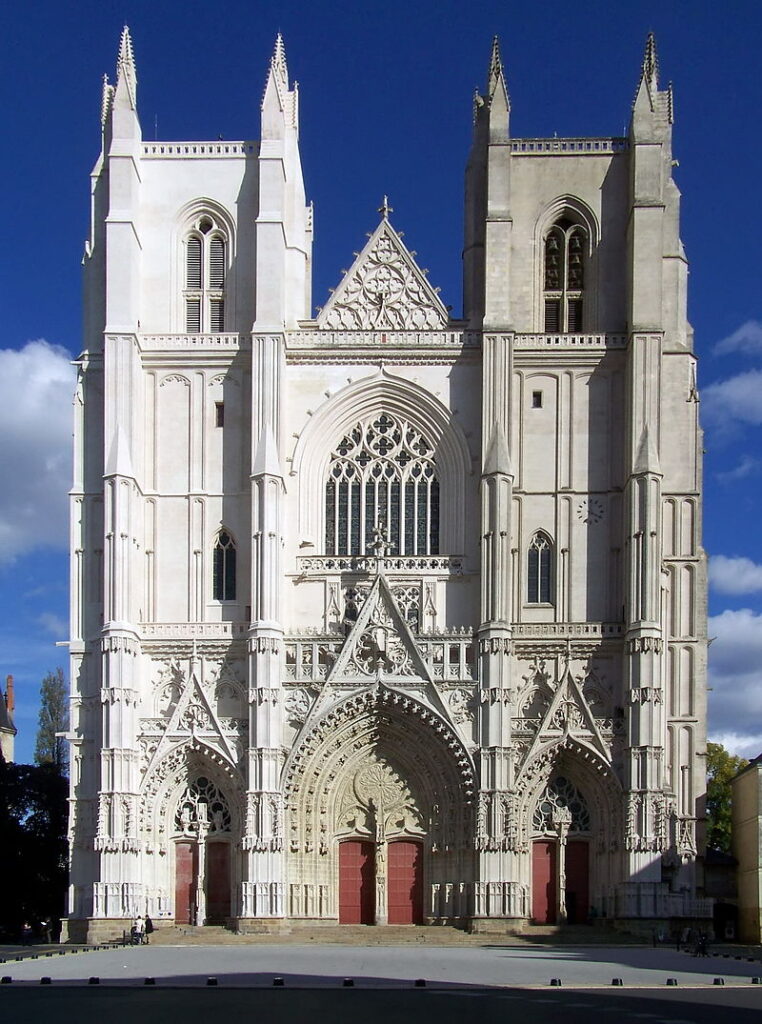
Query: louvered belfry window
(382, 475)
(205, 269)
(564, 278)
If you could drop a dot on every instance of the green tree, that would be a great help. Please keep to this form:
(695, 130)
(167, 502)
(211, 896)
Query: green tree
(721, 767)
(54, 718)
(33, 847)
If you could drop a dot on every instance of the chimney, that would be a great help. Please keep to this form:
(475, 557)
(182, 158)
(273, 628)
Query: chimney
(10, 699)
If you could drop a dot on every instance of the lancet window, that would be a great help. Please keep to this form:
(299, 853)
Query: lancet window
(224, 568)
(205, 271)
(202, 807)
(564, 277)
(540, 569)
(561, 803)
(382, 477)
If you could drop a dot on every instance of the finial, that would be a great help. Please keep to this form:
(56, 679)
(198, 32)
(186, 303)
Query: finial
(107, 98)
(651, 61)
(384, 209)
(126, 58)
(278, 59)
(495, 66)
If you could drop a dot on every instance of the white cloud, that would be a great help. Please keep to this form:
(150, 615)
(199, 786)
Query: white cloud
(734, 575)
(736, 399)
(747, 339)
(742, 746)
(746, 467)
(735, 675)
(53, 624)
(36, 386)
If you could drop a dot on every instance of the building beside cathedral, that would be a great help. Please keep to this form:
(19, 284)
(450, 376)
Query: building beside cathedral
(378, 615)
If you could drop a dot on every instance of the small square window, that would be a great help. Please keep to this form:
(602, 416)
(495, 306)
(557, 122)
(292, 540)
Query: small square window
(537, 399)
(219, 414)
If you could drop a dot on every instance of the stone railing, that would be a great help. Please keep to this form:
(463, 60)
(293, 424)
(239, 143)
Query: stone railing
(192, 630)
(159, 342)
(203, 150)
(578, 341)
(567, 630)
(317, 338)
(593, 147)
(323, 565)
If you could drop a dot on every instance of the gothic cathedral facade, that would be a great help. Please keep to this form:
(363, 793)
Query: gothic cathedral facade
(382, 616)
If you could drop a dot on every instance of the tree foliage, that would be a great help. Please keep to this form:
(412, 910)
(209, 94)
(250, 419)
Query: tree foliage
(721, 767)
(54, 718)
(33, 847)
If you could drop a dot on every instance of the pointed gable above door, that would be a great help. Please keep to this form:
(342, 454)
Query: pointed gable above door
(385, 289)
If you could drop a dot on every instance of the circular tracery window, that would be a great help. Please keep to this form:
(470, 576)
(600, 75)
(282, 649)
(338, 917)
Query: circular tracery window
(561, 800)
(202, 806)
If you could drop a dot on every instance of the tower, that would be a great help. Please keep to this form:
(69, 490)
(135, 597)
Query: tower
(304, 685)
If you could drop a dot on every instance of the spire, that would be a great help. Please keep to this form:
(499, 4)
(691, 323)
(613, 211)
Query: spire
(119, 462)
(650, 67)
(266, 460)
(385, 209)
(126, 74)
(107, 100)
(278, 64)
(498, 458)
(647, 458)
(495, 67)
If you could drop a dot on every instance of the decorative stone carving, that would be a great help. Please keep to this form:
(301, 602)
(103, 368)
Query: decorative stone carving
(297, 705)
(461, 703)
(384, 289)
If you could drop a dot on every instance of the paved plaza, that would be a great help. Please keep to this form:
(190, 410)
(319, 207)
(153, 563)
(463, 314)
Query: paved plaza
(496, 982)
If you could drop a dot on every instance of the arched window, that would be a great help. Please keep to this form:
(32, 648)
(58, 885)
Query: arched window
(540, 569)
(204, 285)
(564, 278)
(561, 802)
(223, 576)
(382, 474)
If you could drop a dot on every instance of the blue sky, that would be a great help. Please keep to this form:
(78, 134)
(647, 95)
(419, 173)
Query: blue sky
(386, 94)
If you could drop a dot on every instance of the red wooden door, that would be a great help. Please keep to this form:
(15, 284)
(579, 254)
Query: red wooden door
(405, 885)
(186, 880)
(217, 883)
(357, 882)
(544, 874)
(577, 881)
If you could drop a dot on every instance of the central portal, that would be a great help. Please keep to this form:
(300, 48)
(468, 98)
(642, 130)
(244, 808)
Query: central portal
(202, 882)
(405, 882)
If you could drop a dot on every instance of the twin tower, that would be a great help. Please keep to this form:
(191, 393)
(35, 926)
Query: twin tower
(382, 616)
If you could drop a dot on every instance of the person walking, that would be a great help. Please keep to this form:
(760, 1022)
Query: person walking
(148, 928)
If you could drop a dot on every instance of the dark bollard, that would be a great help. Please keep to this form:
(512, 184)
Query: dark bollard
(617, 982)
(420, 983)
(45, 980)
(672, 981)
(348, 983)
(211, 981)
(756, 981)
(555, 982)
(150, 981)
(718, 981)
(93, 981)
(278, 982)
(6, 979)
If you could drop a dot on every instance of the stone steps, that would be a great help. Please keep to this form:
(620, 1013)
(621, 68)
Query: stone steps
(308, 933)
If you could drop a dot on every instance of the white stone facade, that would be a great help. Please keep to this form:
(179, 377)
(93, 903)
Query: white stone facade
(384, 584)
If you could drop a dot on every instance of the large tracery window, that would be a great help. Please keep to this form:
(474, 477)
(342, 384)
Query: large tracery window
(561, 801)
(205, 267)
(202, 807)
(382, 474)
(564, 278)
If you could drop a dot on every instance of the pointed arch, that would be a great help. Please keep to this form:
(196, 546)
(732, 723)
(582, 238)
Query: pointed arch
(567, 233)
(224, 565)
(383, 393)
(203, 248)
(165, 783)
(541, 569)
